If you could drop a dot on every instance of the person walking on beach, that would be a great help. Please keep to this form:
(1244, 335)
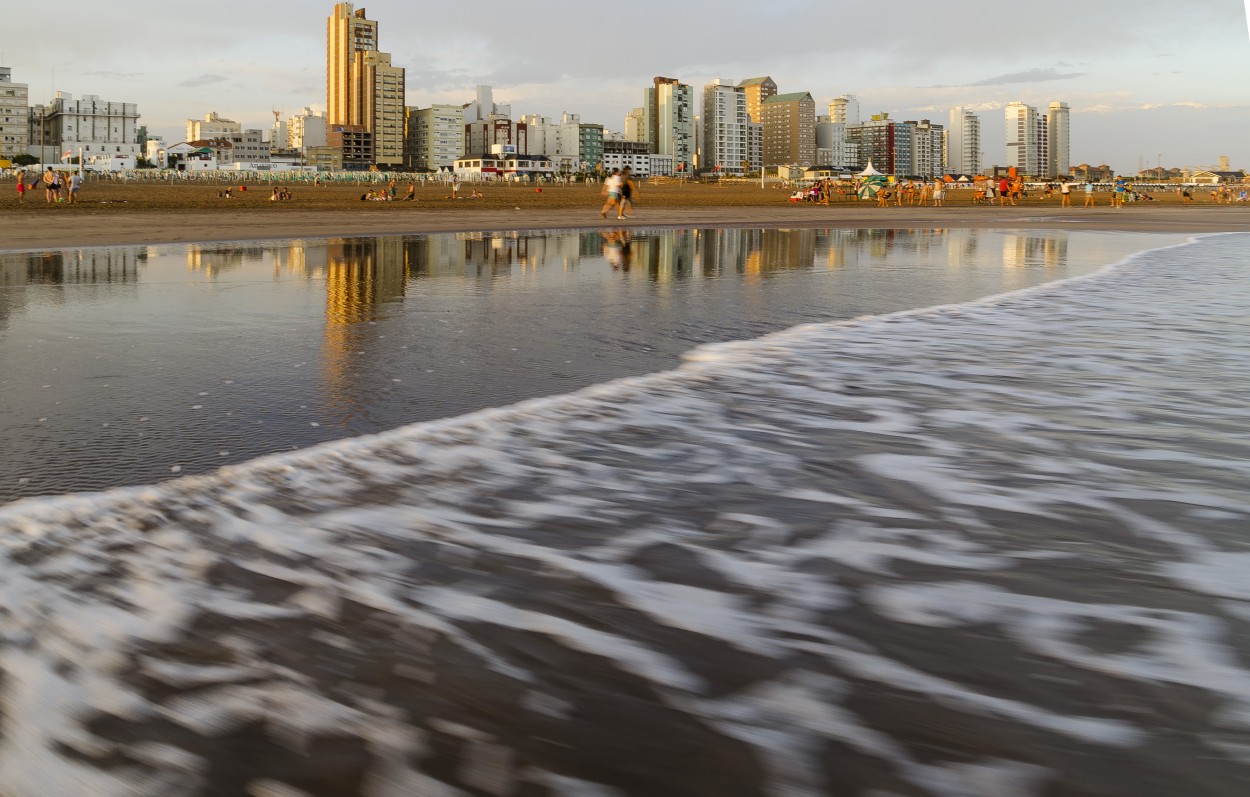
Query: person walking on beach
(1089, 194)
(412, 191)
(1004, 189)
(75, 183)
(627, 192)
(1065, 194)
(611, 190)
(21, 186)
(938, 192)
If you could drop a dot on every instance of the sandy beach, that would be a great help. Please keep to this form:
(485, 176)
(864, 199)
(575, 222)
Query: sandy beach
(112, 213)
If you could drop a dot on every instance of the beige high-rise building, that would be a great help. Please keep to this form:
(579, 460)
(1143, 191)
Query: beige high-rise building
(363, 87)
(380, 99)
(348, 32)
(757, 90)
(789, 129)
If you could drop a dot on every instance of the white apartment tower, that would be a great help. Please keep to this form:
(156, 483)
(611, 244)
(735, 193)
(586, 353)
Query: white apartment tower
(1059, 132)
(963, 142)
(14, 113)
(306, 129)
(725, 120)
(928, 157)
(1026, 139)
(844, 110)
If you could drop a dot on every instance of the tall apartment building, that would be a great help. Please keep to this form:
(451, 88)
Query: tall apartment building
(484, 106)
(928, 159)
(1027, 139)
(884, 143)
(380, 99)
(348, 32)
(104, 131)
(1058, 130)
(306, 129)
(844, 110)
(636, 124)
(14, 116)
(831, 139)
(963, 142)
(435, 137)
(789, 129)
(670, 119)
(590, 144)
(481, 135)
(755, 145)
(757, 90)
(363, 88)
(725, 120)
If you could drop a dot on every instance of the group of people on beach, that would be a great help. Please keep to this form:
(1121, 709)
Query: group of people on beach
(57, 186)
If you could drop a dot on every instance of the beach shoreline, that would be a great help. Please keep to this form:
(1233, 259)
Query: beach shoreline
(137, 215)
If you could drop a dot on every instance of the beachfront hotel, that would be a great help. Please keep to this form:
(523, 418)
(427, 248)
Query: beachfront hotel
(363, 87)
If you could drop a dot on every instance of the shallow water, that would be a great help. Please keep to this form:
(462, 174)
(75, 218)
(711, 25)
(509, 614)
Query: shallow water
(128, 365)
(991, 550)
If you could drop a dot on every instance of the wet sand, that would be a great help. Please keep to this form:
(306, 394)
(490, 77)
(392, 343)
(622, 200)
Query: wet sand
(135, 214)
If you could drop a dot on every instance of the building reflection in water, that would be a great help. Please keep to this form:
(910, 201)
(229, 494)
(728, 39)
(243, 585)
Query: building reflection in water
(60, 270)
(214, 260)
(364, 275)
(1023, 250)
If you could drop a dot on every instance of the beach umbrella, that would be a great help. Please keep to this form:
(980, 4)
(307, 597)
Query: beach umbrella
(870, 186)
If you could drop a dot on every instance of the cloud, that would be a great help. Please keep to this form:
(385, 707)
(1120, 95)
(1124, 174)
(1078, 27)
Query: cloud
(1031, 76)
(108, 73)
(1155, 106)
(203, 80)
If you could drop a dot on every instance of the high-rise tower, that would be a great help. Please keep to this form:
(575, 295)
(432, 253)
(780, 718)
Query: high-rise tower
(1058, 130)
(963, 142)
(363, 88)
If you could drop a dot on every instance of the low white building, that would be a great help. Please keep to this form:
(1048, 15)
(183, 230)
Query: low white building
(185, 157)
(504, 165)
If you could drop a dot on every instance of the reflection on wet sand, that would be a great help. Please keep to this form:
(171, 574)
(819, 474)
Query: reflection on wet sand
(121, 363)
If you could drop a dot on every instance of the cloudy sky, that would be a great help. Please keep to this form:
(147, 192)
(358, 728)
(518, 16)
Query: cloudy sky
(1147, 80)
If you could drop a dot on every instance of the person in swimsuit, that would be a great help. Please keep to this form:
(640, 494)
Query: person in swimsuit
(611, 190)
(627, 192)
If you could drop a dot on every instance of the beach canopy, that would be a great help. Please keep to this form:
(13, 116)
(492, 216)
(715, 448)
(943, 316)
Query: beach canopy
(868, 171)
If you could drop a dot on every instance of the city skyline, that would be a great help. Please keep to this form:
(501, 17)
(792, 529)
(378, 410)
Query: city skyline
(1140, 92)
